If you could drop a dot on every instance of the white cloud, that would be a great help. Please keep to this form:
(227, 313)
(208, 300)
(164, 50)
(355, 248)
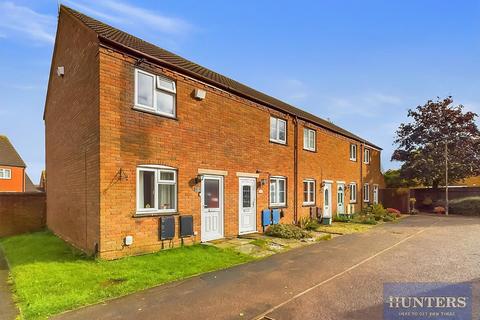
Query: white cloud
(366, 105)
(19, 20)
(134, 16)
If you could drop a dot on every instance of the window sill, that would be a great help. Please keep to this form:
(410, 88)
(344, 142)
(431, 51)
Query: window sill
(308, 205)
(353, 202)
(282, 206)
(149, 111)
(366, 201)
(353, 160)
(309, 150)
(279, 142)
(154, 214)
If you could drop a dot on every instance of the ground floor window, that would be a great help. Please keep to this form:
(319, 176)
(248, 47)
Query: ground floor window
(366, 193)
(156, 189)
(308, 192)
(277, 191)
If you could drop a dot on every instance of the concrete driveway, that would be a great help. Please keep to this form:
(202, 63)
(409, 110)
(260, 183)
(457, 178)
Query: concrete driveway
(337, 279)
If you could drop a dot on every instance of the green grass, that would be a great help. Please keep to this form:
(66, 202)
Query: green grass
(49, 276)
(345, 227)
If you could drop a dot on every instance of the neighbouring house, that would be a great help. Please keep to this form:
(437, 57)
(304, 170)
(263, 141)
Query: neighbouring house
(470, 182)
(13, 176)
(138, 137)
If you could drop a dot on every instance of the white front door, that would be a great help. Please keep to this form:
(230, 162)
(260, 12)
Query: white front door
(247, 205)
(327, 200)
(340, 198)
(212, 208)
(375, 194)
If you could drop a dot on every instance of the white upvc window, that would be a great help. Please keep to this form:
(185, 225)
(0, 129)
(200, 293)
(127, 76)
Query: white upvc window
(156, 189)
(353, 192)
(5, 174)
(366, 192)
(353, 152)
(366, 155)
(309, 137)
(278, 130)
(308, 192)
(278, 186)
(375, 193)
(155, 93)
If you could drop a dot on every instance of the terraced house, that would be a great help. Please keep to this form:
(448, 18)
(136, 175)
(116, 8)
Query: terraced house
(144, 147)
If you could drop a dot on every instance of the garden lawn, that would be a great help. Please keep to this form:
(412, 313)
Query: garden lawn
(344, 227)
(50, 276)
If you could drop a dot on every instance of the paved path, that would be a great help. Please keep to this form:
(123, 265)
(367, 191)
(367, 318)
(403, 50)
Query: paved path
(8, 311)
(337, 279)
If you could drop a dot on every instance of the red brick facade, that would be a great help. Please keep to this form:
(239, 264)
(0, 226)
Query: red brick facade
(91, 124)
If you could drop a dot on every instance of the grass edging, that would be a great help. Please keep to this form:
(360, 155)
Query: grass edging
(49, 277)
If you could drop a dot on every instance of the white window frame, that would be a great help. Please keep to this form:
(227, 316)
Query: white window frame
(310, 188)
(156, 87)
(366, 156)
(157, 170)
(307, 133)
(353, 146)
(275, 180)
(5, 174)
(277, 131)
(366, 192)
(375, 188)
(353, 192)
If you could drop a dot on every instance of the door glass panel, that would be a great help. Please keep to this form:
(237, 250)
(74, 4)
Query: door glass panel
(326, 197)
(247, 196)
(212, 193)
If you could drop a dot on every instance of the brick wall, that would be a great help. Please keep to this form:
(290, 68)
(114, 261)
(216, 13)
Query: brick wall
(21, 212)
(95, 141)
(17, 181)
(72, 136)
(222, 132)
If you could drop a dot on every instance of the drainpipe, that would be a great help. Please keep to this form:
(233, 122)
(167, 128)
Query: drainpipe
(295, 171)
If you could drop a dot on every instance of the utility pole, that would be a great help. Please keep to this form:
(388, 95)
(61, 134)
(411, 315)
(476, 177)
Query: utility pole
(446, 177)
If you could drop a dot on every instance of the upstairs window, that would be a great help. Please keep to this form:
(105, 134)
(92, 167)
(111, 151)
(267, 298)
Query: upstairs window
(277, 191)
(309, 139)
(353, 152)
(366, 193)
(278, 130)
(366, 156)
(308, 192)
(156, 189)
(155, 93)
(5, 174)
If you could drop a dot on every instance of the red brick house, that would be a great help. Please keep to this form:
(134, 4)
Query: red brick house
(135, 134)
(13, 177)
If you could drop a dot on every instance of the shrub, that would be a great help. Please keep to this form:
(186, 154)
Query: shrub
(394, 212)
(439, 210)
(388, 218)
(342, 218)
(364, 219)
(287, 231)
(308, 223)
(467, 206)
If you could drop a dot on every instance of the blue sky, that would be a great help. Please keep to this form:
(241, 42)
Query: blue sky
(361, 64)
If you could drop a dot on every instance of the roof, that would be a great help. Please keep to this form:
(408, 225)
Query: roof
(150, 51)
(29, 186)
(8, 155)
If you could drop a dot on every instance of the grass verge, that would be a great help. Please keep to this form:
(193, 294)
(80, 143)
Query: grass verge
(49, 276)
(344, 228)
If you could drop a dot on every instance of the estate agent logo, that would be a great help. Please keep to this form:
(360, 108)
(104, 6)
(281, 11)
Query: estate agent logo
(430, 301)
